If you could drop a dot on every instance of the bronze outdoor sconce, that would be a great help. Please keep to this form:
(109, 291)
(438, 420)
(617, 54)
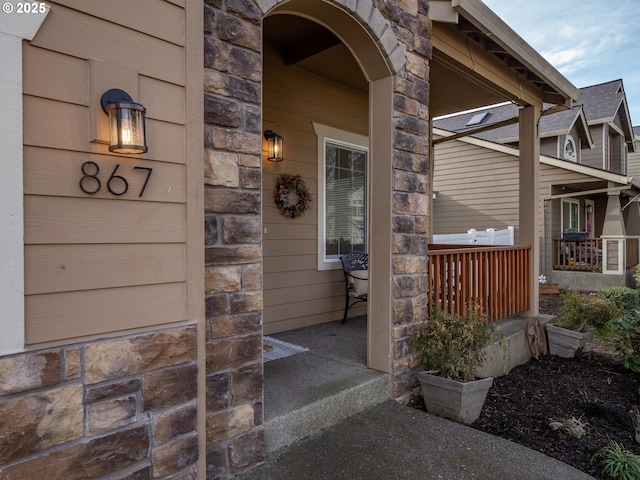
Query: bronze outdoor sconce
(127, 131)
(275, 142)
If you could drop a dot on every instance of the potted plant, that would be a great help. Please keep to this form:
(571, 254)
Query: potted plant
(573, 235)
(581, 315)
(451, 348)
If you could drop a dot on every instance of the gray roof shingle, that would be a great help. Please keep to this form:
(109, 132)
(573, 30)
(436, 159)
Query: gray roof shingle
(599, 102)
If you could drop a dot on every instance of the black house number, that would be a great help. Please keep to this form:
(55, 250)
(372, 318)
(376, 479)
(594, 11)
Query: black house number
(116, 184)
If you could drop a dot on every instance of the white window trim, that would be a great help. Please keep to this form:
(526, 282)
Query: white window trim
(569, 200)
(569, 139)
(14, 29)
(348, 139)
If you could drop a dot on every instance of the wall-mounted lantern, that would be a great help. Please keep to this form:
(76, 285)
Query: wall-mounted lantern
(127, 131)
(588, 209)
(275, 142)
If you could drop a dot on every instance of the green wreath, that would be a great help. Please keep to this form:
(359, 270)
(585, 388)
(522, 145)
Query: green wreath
(284, 186)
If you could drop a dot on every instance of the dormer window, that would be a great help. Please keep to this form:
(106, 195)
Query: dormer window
(570, 150)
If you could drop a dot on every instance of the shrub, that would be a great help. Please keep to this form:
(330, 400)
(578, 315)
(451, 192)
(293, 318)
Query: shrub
(617, 462)
(625, 298)
(587, 312)
(453, 343)
(624, 336)
(571, 426)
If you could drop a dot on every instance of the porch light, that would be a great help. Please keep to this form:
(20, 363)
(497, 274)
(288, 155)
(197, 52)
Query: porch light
(588, 209)
(127, 131)
(275, 146)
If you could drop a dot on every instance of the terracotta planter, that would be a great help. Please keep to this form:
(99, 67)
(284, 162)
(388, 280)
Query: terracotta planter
(549, 288)
(457, 401)
(565, 343)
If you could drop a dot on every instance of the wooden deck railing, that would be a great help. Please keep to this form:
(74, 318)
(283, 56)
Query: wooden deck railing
(584, 256)
(495, 276)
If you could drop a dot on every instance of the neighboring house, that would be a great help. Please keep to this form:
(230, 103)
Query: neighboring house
(136, 289)
(633, 158)
(563, 133)
(583, 182)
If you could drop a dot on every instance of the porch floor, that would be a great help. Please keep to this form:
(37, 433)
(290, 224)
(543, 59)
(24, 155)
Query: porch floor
(313, 390)
(310, 391)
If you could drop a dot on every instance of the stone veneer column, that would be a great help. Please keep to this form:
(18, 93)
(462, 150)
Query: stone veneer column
(411, 188)
(233, 281)
(233, 139)
(120, 408)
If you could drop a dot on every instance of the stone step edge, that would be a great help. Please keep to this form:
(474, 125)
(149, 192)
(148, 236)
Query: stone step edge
(287, 429)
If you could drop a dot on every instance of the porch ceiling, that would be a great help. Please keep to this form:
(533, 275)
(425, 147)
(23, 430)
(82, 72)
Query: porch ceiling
(455, 84)
(307, 45)
(590, 188)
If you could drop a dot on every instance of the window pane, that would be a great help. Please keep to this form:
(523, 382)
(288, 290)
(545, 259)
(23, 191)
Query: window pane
(574, 215)
(331, 156)
(345, 208)
(570, 215)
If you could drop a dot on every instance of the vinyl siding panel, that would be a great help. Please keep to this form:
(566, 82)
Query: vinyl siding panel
(477, 187)
(84, 36)
(77, 314)
(633, 161)
(296, 294)
(101, 263)
(594, 157)
(550, 147)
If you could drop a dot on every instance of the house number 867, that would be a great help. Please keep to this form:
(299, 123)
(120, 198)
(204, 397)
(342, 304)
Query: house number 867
(116, 184)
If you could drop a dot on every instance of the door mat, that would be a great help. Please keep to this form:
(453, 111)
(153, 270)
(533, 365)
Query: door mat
(274, 349)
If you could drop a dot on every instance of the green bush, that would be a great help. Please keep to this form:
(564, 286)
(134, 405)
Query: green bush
(624, 336)
(617, 462)
(587, 312)
(625, 298)
(453, 343)
(636, 276)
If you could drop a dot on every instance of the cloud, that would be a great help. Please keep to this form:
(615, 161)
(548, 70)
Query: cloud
(591, 43)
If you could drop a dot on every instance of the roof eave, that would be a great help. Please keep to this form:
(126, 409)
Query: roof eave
(586, 131)
(556, 162)
(490, 24)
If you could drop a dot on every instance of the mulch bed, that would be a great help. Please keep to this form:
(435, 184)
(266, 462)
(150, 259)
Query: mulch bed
(592, 388)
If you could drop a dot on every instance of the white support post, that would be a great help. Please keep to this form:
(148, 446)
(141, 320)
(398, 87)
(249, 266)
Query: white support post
(14, 28)
(613, 255)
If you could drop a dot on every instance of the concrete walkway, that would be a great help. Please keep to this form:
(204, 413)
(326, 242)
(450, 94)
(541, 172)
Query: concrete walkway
(391, 441)
(329, 417)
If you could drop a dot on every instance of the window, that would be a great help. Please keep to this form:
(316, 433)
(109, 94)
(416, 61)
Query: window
(570, 150)
(343, 159)
(570, 215)
(478, 118)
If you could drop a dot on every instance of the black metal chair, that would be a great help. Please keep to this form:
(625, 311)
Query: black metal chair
(356, 279)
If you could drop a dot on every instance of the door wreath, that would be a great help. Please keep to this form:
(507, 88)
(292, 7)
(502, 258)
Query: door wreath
(286, 185)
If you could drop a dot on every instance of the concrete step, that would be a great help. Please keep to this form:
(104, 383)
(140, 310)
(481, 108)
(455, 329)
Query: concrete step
(363, 390)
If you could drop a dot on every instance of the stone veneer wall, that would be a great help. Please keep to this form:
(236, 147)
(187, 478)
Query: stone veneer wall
(118, 408)
(233, 255)
(233, 139)
(411, 187)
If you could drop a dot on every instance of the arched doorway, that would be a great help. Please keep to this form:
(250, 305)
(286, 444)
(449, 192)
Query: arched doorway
(323, 67)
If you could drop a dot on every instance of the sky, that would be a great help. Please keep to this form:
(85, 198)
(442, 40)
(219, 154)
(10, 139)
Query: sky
(588, 41)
